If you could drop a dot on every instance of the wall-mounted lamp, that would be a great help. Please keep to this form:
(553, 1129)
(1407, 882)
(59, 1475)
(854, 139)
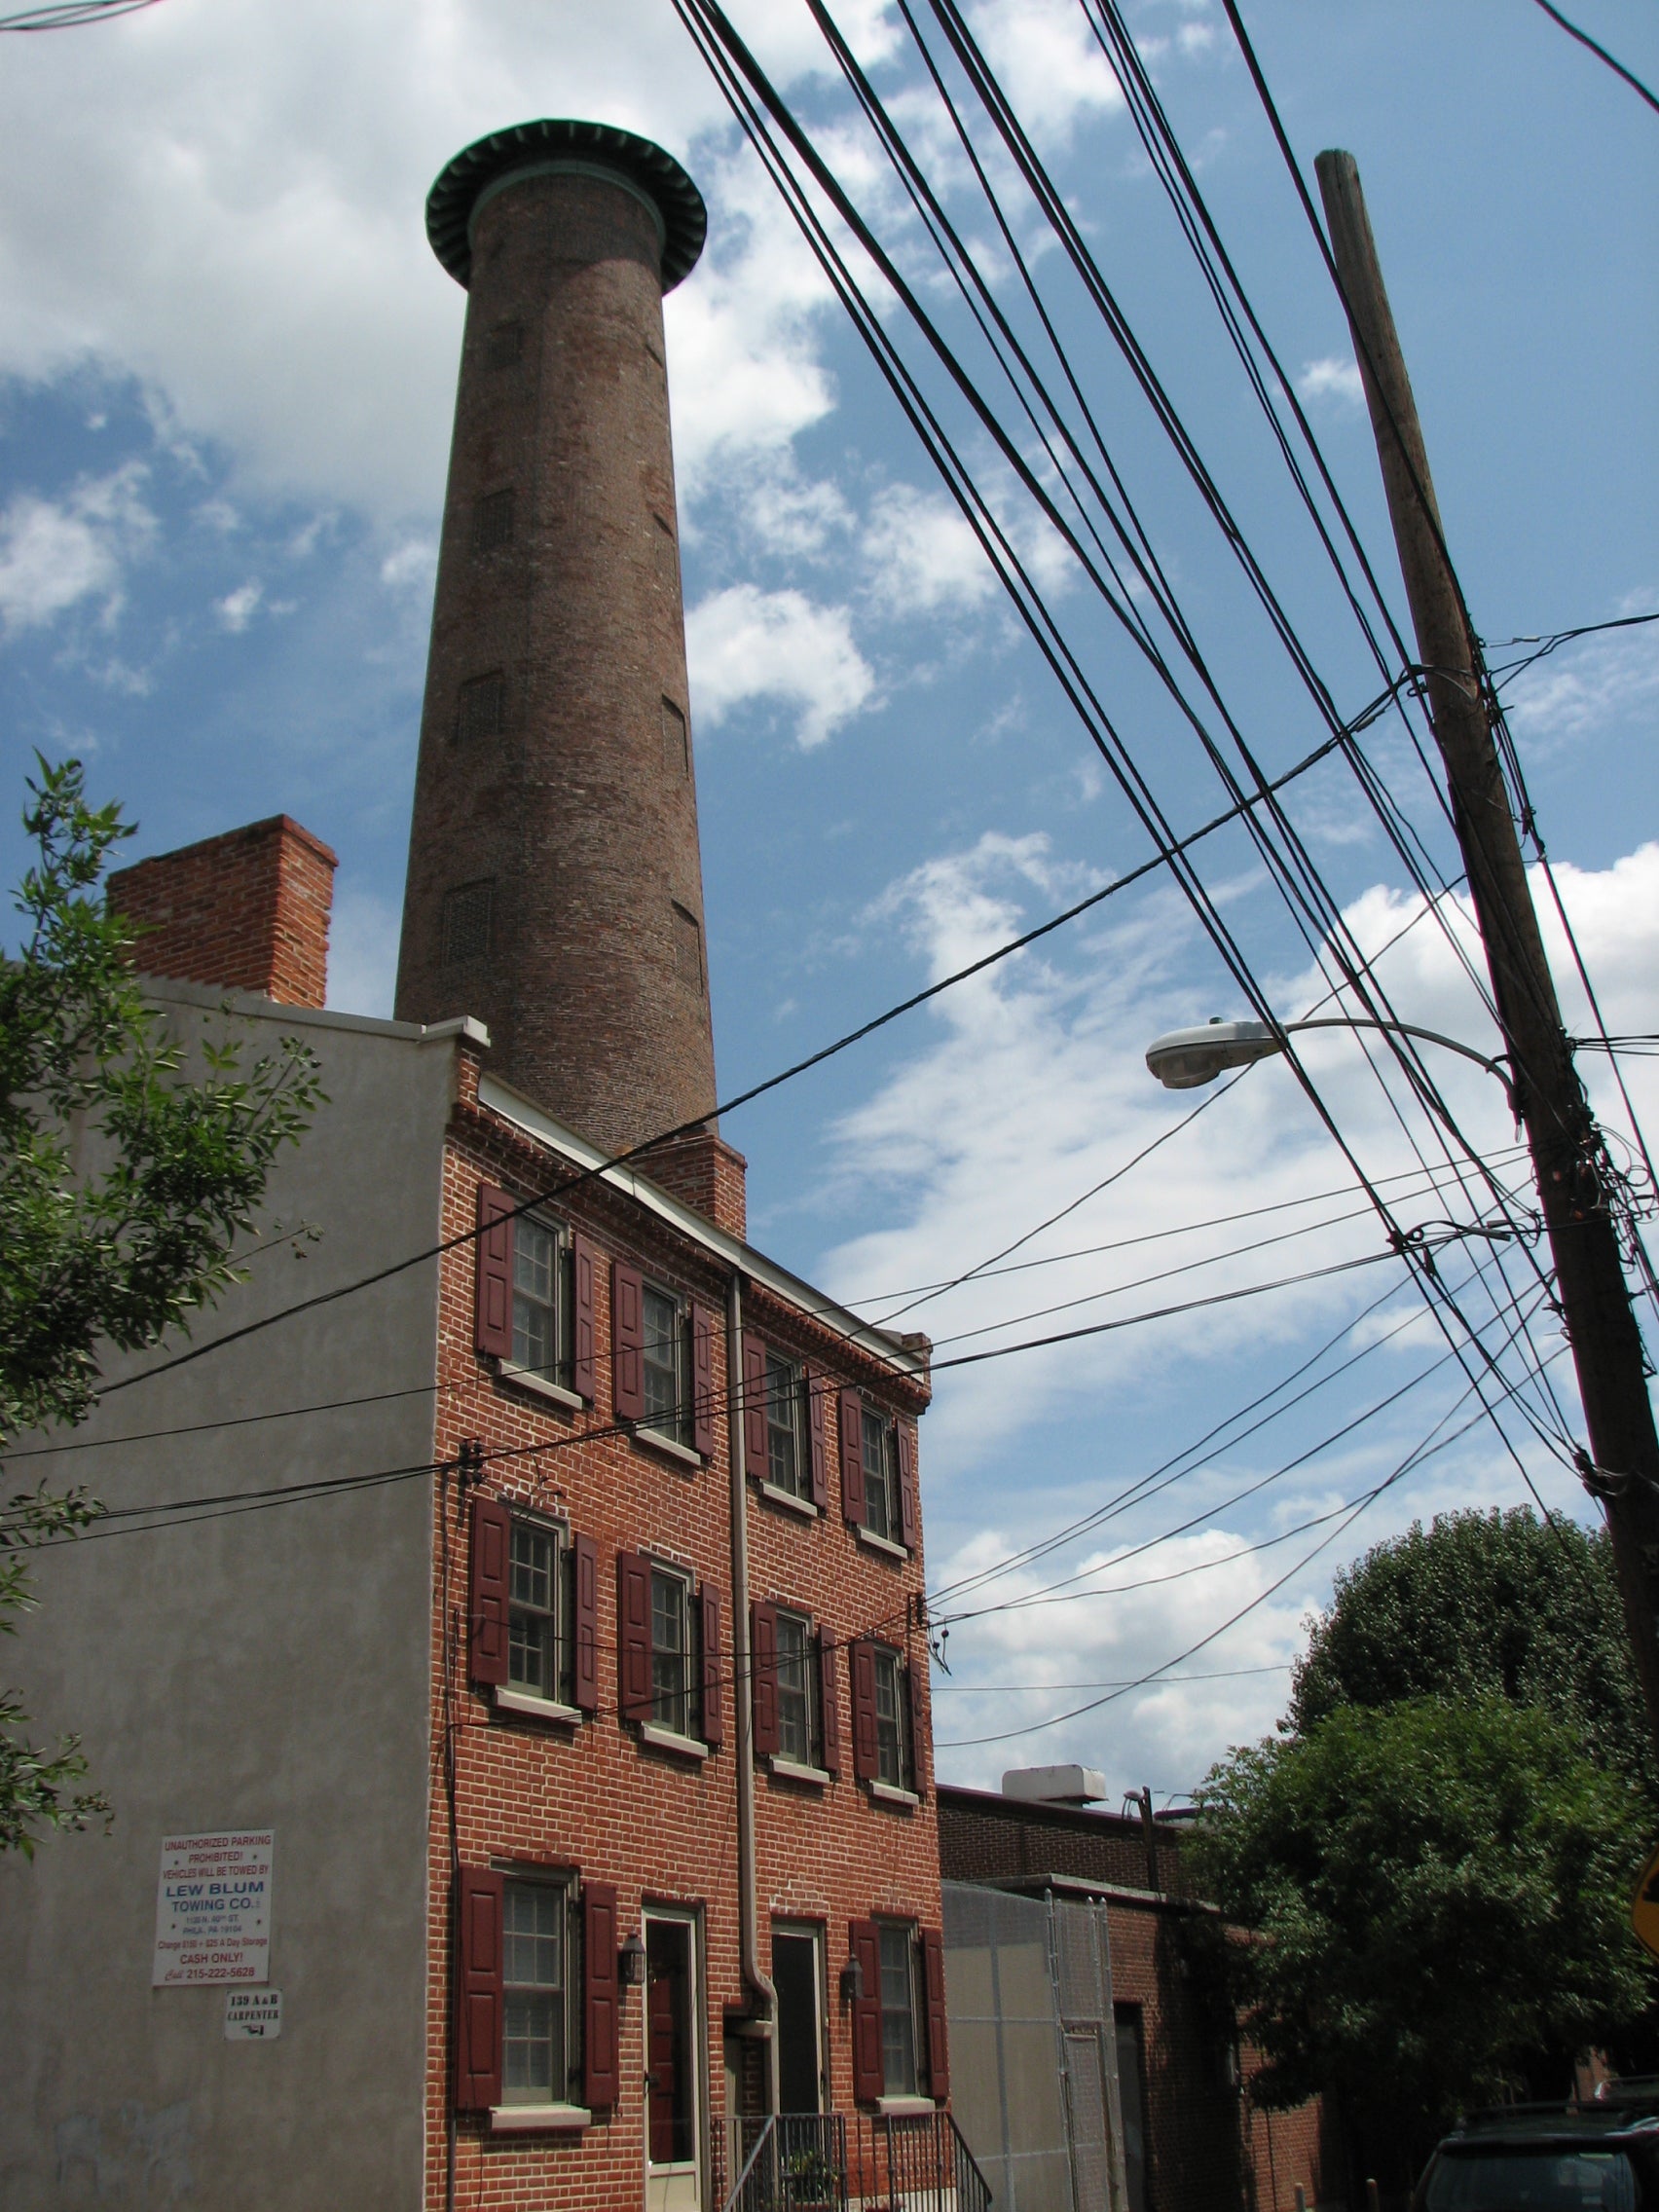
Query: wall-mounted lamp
(631, 1963)
(852, 1982)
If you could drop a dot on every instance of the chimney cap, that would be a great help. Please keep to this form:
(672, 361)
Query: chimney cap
(582, 146)
(1055, 1785)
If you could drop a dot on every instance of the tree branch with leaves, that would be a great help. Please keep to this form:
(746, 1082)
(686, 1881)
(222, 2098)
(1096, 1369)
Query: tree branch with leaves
(131, 1160)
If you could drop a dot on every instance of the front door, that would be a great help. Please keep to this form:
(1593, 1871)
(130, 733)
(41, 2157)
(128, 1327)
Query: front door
(798, 1977)
(673, 2066)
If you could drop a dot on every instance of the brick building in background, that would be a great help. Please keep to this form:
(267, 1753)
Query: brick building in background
(1079, 1957)
(548, 1623)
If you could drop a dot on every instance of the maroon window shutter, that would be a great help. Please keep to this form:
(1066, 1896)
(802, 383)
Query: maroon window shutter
(869, 2073)
(478, 1996)
(602, 2066)
(627, 1342)
(581, 1319)
(714, 1705)
(763, 1665)
(915, 1726)
(488, 1551)
(852, 1458)
(633, 1636)
(702, 1381)
(817, 1420)
(908, 1518)
(584, 1624)
(861, 1665)
(829, 1706)
(933, 2004)
(756, 1456)
(493, 1323)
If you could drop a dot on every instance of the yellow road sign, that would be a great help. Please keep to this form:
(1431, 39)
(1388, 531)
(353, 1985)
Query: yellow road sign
(1644, 1906)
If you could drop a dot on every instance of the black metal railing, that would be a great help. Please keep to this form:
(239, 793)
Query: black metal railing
(833, 2162)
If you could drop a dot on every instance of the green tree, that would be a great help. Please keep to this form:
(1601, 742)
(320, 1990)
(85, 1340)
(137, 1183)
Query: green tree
(1478, 1603)
(1436, 1895)
(132, 1158)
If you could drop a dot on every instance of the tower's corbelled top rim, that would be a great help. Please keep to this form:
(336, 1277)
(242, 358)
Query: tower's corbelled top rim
(594, 147)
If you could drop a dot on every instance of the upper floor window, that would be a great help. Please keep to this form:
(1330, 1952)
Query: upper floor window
(532, 1611)
(784, 1456)
(878, 1472)
(671, 1652)
(891, 1761)
(668, 1651)
(535, 1659)
(783, 1424)
(541, 1302)
(662, 1361)
(534, 1297)
(796, 1733)
(883, 1734)
(793, 1689)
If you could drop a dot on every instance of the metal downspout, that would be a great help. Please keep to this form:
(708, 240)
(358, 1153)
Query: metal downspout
(763, 1994)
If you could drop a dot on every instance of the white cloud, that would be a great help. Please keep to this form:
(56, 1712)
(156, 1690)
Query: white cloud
(1585, 686)
(236, 610)
(745, 644)
(411, 566)
(744, 373)
(1331, 377)
(1051, 67)
(55, 554)
(229, 205)
(923, 555)
(793, 517)
(1034, 1089)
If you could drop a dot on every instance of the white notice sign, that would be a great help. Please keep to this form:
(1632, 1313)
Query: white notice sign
(213, 1910)
(253, 2015)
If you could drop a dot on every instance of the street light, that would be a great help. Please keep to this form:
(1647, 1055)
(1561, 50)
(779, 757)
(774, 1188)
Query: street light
(1186, 1058)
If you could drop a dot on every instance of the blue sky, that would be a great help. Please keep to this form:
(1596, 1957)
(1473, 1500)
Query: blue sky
(226, 370)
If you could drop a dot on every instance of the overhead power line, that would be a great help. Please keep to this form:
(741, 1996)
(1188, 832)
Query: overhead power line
(65, 15)
(1601, 53)
(758, 108)
(640, 1154)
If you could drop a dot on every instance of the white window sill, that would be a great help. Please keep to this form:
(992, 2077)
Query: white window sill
(670, 1740)
(905, 2108)
(536, 1708)
(521, 2120)
(885, 1794)
(543, 1385)
(790, 1770)
(877, 1544)
(682, 1454)
(787, 1499)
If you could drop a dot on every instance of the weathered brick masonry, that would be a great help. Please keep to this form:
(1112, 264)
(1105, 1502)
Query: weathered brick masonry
(555, 887)
(661, 1827)
(247, 910)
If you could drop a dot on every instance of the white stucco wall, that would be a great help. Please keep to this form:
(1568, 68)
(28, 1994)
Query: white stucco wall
(259, 1669)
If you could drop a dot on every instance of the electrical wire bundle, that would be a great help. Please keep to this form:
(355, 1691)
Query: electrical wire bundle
(1026, 446)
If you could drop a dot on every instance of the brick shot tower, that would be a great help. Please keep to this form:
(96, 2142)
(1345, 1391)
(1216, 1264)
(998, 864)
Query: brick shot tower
(555, 885)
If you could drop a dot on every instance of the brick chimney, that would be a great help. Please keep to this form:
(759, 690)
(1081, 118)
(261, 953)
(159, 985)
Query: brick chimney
(555, 885)
(247, 911)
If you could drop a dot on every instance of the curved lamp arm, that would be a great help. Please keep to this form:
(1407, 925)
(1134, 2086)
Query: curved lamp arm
(1187, 1057)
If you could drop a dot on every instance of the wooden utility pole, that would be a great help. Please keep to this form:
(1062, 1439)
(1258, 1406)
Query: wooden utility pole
(1569, 1160)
